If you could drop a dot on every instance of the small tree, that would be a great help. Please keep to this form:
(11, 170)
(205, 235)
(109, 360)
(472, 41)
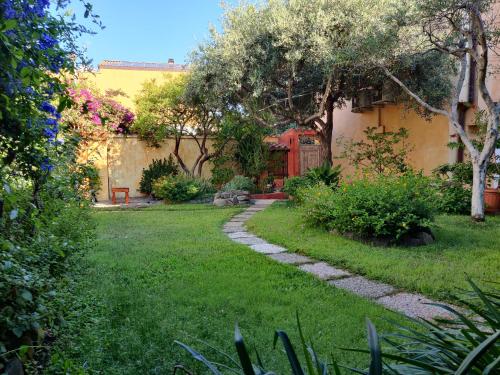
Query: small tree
(166, 109)
(464, 32)
(382, 153)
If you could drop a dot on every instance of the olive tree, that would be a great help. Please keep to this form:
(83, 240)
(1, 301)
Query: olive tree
(464, 32)
(167, 109)
(281, 62)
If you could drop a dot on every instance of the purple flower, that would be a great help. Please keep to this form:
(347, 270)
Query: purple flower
(46, 166)
(8, 10)
(46, 41)
(47, 107)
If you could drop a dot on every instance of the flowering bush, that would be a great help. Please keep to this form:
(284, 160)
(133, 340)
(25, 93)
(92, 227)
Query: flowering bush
(92, 114)
(43, 216)
(387, 207)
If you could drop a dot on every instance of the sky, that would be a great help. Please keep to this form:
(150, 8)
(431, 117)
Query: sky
(150, 30)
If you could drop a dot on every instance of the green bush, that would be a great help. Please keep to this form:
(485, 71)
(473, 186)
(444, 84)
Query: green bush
(326, 174)
(293, 184)
(158, 168)
(221, 175)
(455, 194)
(460, 346)
(240, 183)
(37, 254)
(454, 198)
(180, 188)
(384, 208)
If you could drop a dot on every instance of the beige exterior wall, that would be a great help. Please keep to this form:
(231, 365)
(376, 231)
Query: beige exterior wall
(129, 81)
(121, 160)
(428, 138)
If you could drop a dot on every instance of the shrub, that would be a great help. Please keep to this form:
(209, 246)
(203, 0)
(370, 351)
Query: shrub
(37, 254)
(293, 184)
(454, 198)
(221, 175)
(323, 174)
(384, 208)
(180, 188)
(326, 174)
(460, 346)
(455, 194)
(239, 183)
(158, 168)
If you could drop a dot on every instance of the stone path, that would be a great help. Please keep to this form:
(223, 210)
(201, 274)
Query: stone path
(409, 304)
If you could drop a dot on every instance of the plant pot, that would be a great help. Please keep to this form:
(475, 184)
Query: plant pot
(492, 200)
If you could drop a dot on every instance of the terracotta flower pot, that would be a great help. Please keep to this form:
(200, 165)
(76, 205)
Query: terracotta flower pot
(492, 200)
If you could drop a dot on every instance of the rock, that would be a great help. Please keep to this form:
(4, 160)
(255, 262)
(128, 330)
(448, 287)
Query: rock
(233, 197)
(421, 238)
(220, 202)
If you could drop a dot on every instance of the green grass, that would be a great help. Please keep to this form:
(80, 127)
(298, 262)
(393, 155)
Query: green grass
(437, 270)
(167, 273)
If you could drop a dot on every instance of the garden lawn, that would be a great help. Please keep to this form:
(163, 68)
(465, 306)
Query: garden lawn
(168, 272)
(461, 248)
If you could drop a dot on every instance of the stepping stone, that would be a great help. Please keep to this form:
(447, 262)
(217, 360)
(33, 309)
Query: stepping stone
(267, 248)
(238, 220)
(231, 224)
(234, 235)
(233, 229)
(250, 240)
(414, 306)
(324, 271)
(291, 258)
(243, 216)
(363, 287)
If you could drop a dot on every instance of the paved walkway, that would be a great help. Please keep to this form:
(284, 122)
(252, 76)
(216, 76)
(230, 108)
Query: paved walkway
(412, 305)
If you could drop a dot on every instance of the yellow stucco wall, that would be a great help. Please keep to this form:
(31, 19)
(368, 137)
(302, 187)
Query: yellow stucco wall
(121, 160)
(429, 138)
(129, 81)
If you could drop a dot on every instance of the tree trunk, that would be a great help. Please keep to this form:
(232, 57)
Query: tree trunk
(478, 186)
(326, 133)
(178, 156)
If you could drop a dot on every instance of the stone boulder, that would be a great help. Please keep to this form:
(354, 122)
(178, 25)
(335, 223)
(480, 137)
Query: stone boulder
(231, 198)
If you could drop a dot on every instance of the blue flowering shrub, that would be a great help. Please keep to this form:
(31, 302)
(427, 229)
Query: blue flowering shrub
(44, 221)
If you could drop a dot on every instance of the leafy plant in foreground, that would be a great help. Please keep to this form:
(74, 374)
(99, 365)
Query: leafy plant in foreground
(460, 346)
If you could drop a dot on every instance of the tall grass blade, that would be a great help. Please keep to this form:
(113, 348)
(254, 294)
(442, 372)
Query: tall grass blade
(375, 351)
(290, 352)
(246, 363)
(199, 358)
(477, 353)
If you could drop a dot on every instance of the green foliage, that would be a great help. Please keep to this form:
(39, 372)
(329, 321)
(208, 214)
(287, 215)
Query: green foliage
(461, 346)
(252, 153)
(293, 184)
(37, 249)
(180, 188)
(326, 174)
(221, 175)
(382, 153)
(157, 168)
(453, 198)
(384, 208)
(240, 183)
(161, 109)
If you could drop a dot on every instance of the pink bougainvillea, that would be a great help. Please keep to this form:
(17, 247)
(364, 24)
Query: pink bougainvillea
(91, 114)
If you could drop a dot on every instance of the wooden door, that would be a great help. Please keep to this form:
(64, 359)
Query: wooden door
(310, 157)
